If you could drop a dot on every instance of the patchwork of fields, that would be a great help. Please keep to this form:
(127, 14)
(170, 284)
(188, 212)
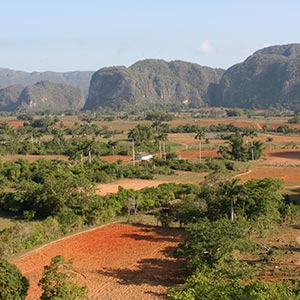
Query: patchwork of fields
(123, 262)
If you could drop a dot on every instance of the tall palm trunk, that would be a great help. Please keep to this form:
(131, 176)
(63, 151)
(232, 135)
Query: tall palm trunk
(160, 150)
(133, 152)
(231, 210)
(200, 151)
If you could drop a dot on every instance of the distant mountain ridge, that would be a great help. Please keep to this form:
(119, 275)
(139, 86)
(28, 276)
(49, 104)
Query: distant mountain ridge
(80, 79)
(268, 78)
(151, 81)
(42, 96)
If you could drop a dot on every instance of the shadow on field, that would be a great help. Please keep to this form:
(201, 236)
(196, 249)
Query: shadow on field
(157, 234)
(286, 154)
(152, 272)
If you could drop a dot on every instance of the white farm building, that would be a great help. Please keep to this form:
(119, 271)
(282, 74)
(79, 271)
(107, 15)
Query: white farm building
(143, 156)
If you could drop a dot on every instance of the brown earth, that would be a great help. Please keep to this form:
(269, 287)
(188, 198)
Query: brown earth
(277, 139)
(284, 165)
(289, 175)
(193, 154)
(117, 261)
(115, 158)
(283, 157)
(16, 123)
(135, 184)
(285, 240)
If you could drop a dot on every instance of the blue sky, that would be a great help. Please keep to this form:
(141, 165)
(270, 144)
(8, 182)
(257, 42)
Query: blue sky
(65, 35)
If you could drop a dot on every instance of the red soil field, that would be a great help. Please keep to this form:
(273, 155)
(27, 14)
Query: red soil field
(115, 158)
(204, 154)
(117, 261)
(16, 123)
(283, 157)
(184, 138)
(284, 165)
(135, 184)
(290, 175)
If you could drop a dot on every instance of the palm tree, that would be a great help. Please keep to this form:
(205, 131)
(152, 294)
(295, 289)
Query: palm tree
(200, 134)
(232, 189)
(238, 150)
(251, 132)
(161, 138)
(162, 135)
(133, 135)
(256, 149)
(269, 140)
(89, 148)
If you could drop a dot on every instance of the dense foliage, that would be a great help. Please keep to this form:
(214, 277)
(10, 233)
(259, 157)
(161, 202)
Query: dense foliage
(221, 220)
(13, 285)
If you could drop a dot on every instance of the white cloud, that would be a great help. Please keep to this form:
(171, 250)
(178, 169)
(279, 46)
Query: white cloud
(206, 47)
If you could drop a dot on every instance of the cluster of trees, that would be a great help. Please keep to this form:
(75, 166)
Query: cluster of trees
(295, 119)
(241, 149)
(46, 136)
(225, 128)
(43, 188)
(252, 200)
(159, 116)
(219, 228)
(56, 282)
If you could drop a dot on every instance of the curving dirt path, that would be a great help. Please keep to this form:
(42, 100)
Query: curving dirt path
(116, 261)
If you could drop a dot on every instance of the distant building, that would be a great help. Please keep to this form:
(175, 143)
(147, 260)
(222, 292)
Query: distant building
(143, 156)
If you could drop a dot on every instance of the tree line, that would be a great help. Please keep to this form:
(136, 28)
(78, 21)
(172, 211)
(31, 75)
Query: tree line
(220, 228)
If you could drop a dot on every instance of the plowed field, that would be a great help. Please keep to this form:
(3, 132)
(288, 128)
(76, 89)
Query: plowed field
(116, 262)
(195, 154)
(284, 165)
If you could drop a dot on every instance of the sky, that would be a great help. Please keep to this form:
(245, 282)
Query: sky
(67, 35)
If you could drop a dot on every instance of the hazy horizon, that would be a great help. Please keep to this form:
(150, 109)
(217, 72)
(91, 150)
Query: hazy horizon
(85, 36)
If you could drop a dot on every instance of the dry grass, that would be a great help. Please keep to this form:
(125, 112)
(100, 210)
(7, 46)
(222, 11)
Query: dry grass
(5, 223)
(135, 184)
(32, 158)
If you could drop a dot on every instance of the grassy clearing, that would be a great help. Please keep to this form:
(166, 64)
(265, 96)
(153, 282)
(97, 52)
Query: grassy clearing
(6, 221)
(183, 177)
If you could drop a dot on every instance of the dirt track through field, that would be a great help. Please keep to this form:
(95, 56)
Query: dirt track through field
(283, 164)
(117, 261)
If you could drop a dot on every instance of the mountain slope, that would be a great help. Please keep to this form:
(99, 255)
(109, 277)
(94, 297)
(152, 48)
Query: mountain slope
(268, 78)
(151, 81)
(9, 96)
(46, 95)
(79, 79)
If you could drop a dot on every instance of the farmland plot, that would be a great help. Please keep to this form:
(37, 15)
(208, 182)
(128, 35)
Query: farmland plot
(117, 261)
